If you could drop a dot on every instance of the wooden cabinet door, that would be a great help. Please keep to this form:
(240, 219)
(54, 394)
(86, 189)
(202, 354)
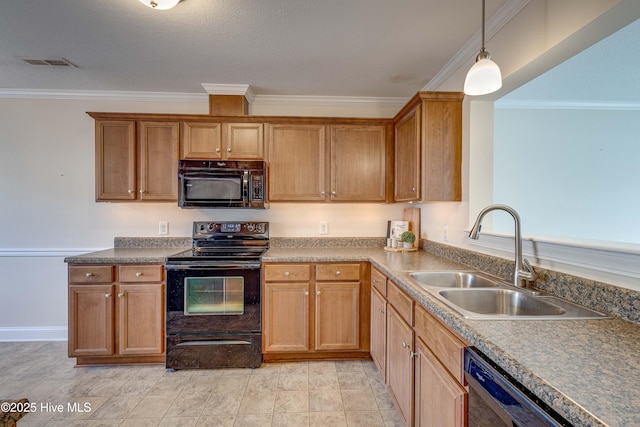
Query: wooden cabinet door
(440, 401)
(400, 363)
(244, 141)
(378, 330)
(407, 157)
(201, 141)
(442, 130)
(297, 162)
(285, 326)
(358, 163)
(115, 160)
(158, 161)
(140, 318)
(337, 313)
(91, 320)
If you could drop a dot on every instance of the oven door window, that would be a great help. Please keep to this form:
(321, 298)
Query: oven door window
(214, 295)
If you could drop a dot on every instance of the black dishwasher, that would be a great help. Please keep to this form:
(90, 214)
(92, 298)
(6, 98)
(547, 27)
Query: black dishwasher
(496, 399)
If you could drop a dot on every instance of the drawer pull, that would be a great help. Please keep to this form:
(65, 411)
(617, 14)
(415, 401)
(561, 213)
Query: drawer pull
(138, 274)
(338, 273)
(120, 295)
(107, 295)
(286, 274)
(89, 275)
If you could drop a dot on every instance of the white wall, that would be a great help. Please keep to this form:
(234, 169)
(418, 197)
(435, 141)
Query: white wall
(47, 207)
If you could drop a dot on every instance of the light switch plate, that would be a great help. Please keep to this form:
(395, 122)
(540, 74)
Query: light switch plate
(324, 228)
(163, 227)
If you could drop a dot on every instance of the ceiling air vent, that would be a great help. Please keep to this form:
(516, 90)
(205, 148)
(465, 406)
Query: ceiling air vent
(54, 62)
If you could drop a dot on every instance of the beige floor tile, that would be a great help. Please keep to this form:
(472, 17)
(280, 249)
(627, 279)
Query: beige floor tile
(115, 407)
(364, 419)
(140, 422)
(325, 401)
(349, 366)
(178, 422)
(290, 368)
(168, 386)
(257, 403)
(383, 399)
(188, 405)
(326, 419)
(232, 384)
(353, 380)
(292, 401)
(391, 418)
(261, 420)
(323, 381)
(260, 383)
(152, 407)
(322, 367)
(220, 404)
(292, 382)
(207, 421)
(290, 420)
(359, 400)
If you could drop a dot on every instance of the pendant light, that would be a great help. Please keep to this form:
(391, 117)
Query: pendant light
(484, 77)
(160, 4)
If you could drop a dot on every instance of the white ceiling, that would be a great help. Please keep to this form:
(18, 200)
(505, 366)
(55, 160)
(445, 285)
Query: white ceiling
(369, 48)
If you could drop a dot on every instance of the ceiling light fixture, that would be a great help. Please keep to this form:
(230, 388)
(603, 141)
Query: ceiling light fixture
(160, 4)
(484, 77)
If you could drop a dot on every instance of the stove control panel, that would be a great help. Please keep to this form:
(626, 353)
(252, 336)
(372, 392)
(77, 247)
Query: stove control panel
(208, 229)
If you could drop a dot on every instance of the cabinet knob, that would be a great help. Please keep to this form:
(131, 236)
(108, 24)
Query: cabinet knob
(412, 354)
(228, 150)
(322, 193)
(306, 292)
(120, 295)
(130, 191)
(286, 274)
(338, 273)
(138, 274)
(141, 191)
(414, 189)
(317, 292)
(218, 150)
(333, 193)
(89, 275)
(107, 295)
(404, 344)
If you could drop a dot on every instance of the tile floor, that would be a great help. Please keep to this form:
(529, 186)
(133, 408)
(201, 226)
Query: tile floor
(341, 393)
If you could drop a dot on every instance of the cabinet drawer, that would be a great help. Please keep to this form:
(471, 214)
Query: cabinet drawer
(91, 274)
(448, 348)
(287, 273)
(338, 272)
(140, 273)
(379, 281)
(400, 301)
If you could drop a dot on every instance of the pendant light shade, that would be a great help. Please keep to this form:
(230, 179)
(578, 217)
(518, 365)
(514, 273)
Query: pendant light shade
(485, 76)
(160, 4)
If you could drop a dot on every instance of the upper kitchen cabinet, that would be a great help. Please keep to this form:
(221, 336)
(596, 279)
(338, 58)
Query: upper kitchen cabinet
(428, 148)
(222, 141)
(328, 162)
(138, 165)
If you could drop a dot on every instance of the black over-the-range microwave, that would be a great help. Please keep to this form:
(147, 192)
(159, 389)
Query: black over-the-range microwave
(221, 184)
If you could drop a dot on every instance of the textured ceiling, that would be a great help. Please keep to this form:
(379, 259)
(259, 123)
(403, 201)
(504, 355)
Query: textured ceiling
(376, 48)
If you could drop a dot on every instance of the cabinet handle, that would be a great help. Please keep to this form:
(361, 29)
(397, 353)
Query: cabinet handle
(338, 273)
(141, 191)
(130, 191)
(404, 344)
(107, 295)
(412, 354)
(88, 275)
(228, 150)
(138, 274)
(120, 295)
(317, 292)
(218, 150)
(333, 193)
(306, 292)
(286, 274)
(414, 189)
(322, 193)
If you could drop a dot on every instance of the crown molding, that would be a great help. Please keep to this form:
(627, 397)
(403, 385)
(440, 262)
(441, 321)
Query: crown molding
(472, 47)
(328, 100)
(230, 89)
(101, 95)
(541, 104)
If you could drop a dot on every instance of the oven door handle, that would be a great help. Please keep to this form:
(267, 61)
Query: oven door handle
(229, 266)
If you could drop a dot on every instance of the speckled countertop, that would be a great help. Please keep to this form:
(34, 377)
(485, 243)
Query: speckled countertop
(587, 370)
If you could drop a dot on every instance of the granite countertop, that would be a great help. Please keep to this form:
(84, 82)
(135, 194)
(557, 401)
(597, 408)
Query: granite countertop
(587, 370)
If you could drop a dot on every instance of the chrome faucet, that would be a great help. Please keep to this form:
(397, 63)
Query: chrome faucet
(524, 271)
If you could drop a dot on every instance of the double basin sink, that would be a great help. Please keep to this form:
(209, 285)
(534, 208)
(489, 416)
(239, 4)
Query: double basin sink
(477, 295)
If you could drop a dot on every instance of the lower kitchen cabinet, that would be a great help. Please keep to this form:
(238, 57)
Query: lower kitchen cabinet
(116, 314)
(314, 311)
(420, 359)
(440, 401)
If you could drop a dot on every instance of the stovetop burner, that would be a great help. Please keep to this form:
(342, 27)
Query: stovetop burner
(225, 241)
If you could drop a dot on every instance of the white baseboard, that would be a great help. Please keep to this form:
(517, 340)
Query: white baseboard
(36, 333)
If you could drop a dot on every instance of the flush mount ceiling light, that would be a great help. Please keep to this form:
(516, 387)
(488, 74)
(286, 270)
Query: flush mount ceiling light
(484, 77)
(160, 4)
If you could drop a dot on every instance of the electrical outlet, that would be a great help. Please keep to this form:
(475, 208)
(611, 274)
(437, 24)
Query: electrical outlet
(163, 227)
(324, 228)
(445, 233)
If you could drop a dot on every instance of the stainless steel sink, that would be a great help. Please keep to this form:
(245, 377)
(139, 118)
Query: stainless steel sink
(500, 302)
(453, 279)
(478, 295)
